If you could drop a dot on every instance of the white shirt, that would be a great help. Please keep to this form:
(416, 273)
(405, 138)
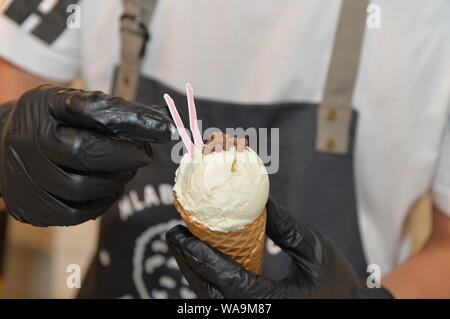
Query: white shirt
(266, 51)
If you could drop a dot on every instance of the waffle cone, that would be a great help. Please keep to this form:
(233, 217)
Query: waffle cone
(246, 246)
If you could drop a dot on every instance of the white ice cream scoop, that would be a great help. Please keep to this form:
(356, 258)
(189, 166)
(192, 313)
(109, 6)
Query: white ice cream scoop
(223, 190)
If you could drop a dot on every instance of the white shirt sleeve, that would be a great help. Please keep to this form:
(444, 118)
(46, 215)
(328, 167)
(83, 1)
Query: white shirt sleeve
(441, 183)
(34, 36)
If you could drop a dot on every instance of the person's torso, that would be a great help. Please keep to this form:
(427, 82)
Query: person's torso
(278, 51)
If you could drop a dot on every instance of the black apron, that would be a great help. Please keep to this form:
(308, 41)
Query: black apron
(317, 188)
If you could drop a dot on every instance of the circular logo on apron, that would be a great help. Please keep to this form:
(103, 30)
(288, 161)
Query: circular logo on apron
(155, 272)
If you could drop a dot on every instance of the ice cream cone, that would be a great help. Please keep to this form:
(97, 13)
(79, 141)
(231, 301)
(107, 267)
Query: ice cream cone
(246, 246)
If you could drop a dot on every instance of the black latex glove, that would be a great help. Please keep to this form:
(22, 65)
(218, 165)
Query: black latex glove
(66, 154)
(318, 268)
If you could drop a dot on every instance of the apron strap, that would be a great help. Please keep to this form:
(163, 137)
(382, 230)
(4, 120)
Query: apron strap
(134, 37)
(334, 114)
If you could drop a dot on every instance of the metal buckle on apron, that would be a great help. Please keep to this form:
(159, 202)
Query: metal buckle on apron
(143, 30)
